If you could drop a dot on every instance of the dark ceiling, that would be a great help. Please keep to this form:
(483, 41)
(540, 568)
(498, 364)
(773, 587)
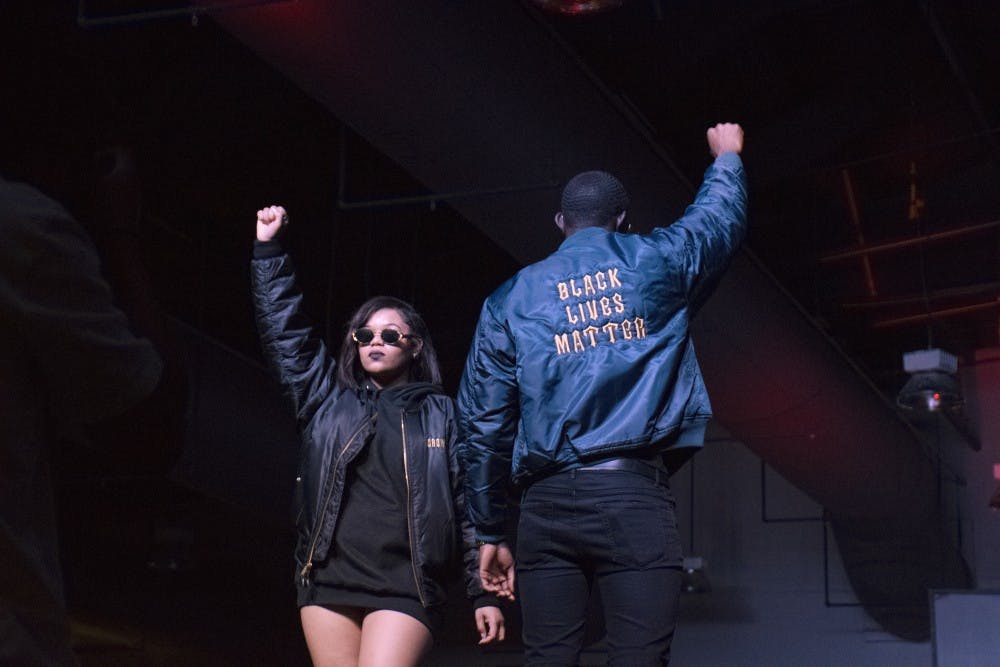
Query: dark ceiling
(842, 102)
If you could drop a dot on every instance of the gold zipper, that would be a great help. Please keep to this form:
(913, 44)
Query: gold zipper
(307, 568)
(409, 510)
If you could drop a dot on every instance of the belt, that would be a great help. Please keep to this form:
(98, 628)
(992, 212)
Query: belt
(638, 466)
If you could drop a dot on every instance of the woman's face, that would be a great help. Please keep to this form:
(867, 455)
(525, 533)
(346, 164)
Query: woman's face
(388, 365)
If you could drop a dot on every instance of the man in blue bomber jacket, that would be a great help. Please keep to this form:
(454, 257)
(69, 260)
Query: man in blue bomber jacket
(580, 383)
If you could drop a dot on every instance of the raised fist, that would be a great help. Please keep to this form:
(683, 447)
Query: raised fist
(270, 221)
(725, 138)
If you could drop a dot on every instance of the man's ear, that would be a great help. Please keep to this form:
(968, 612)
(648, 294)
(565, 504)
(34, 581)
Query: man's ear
(621, 225)
(560, 222)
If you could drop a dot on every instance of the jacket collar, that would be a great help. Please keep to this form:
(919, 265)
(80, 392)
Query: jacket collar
(583, 237)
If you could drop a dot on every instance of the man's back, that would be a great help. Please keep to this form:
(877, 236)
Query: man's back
(595, 337)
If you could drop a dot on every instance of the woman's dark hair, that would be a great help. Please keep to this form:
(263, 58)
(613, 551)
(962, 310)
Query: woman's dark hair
(424, 367)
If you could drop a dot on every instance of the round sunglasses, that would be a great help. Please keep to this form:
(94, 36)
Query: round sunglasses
(365, 335)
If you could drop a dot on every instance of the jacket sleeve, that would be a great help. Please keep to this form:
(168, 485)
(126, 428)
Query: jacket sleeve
(488, 404)
(466, 532)
(294, 353)
(712, 228)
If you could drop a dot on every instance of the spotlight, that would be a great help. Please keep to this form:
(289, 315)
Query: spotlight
(932, 386)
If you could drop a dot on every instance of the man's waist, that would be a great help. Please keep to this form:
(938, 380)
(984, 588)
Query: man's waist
(651, 468)
(647, 462)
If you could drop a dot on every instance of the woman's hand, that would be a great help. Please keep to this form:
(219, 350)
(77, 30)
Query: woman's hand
(270, 221)
(489, 622)
(496, 569)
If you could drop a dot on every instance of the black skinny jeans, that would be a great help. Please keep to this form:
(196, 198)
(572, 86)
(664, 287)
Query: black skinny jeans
(615, 528)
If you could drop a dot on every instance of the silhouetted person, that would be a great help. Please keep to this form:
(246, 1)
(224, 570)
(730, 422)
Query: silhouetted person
(77, 365)
(68, 358)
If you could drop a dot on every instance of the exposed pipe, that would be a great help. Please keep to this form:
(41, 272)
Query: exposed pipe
(431, 199)
(916, 148)
(763, 503)
(936, 295)
(852, 206)
(908, 242)
(936, 314)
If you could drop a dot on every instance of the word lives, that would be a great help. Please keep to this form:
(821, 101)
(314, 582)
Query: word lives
(595, 310)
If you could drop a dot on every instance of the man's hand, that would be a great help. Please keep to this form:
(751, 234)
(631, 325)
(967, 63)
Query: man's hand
(496, 569)
(270, 221)
(725, 138)
(489, 622)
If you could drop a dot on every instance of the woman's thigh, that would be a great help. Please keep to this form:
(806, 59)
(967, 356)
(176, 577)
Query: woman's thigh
(393, 638)
(332, 635)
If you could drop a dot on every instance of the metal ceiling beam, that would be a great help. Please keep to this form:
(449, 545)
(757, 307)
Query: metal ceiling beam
(852, 206)
(936, 295)
(913, 241)
(938, 314)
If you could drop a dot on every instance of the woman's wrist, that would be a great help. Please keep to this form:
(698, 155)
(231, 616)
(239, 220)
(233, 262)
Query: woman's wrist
(265, 249)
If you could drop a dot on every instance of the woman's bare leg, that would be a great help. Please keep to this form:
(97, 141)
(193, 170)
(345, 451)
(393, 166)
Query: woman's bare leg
(333, 637)
(393, 638)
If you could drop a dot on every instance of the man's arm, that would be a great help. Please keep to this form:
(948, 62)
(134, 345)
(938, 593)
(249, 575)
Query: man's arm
(712, 228)
(488, 406)
(476, 582)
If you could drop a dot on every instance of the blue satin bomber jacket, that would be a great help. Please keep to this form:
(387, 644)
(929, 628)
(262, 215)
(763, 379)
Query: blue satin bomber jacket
(587, 354)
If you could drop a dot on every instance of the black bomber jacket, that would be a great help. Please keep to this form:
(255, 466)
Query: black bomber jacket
(335, 425)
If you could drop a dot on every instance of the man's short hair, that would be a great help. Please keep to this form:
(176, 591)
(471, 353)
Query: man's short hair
(593, 198)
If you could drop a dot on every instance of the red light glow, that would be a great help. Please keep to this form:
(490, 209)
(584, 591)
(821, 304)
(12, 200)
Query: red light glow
(578, 7)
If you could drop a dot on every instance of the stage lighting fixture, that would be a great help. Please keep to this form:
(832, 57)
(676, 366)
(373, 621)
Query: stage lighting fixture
(932, 386)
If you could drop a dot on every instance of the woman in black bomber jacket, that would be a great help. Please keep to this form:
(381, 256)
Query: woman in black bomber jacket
(382, 518)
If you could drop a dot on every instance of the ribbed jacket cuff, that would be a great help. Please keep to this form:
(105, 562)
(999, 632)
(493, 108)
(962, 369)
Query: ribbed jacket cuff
(266, 249)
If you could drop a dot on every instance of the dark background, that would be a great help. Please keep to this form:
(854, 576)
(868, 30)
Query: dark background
(841, 100)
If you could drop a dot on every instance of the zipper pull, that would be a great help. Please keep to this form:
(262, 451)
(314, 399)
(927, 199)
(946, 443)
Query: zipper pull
(304, 574)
